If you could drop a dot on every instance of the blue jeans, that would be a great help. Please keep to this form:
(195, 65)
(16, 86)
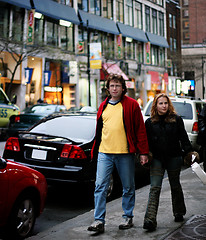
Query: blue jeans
(125, 165)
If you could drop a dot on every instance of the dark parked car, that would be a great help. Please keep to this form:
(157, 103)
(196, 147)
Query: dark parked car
(59, 146)
(31, 115)
(22, 197)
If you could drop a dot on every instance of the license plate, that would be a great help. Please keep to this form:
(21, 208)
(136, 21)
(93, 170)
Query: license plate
(39, 154)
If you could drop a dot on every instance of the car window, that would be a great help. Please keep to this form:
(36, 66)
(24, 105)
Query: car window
(75, 128)
(183, 109)
(47, 109)
(3, 98)
(199, 107)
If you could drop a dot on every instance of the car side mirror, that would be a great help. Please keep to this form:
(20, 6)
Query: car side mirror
(14, 99)
(3, 163)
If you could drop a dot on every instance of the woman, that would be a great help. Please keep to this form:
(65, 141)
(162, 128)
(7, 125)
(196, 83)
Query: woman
(168, 140)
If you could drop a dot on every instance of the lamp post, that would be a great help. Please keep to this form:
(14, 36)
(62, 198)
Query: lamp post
(88, 62)
(203, 76)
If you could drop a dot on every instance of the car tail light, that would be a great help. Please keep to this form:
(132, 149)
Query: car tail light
(195, 127)
(17, 119)
(12, 144)
(71, 151)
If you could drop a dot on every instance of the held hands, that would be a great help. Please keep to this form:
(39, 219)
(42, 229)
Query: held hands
(143, 159)
(188, 158)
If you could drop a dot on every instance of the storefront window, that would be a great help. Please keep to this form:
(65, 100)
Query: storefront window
(82, 39)
(4, 21)
(67, 38)
(52, 33)
(139, 46)
(162, 57)
(18, 19)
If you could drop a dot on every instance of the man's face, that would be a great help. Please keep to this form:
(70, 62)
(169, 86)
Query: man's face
(115, 89)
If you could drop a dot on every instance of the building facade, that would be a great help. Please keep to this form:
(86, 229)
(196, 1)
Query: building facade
(193, 27)
(69, 47)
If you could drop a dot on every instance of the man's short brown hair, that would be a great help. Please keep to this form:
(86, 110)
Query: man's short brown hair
(117, 78)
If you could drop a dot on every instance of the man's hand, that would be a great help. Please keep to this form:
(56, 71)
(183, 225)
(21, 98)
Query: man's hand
(143, 159)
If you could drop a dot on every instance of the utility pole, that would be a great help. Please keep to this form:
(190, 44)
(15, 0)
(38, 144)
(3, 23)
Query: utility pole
(88, 62)
(203, 76)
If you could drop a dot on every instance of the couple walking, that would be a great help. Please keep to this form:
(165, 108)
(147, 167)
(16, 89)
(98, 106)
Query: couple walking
(120, 135)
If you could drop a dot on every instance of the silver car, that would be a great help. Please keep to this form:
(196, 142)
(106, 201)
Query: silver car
(188, 109)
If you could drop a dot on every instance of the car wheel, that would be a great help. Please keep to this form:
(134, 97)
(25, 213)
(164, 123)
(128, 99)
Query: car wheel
(23, 217)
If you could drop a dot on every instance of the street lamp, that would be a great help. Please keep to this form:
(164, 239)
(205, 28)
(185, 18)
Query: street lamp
(88, 62)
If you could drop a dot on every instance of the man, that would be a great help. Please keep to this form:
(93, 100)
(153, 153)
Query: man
(202, 134)
(120, 134)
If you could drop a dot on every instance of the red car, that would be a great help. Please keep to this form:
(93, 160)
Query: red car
(22, 198)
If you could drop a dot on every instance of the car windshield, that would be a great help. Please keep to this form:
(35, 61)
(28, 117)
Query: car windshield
(41, 109)
(72, 127)
(183, 109)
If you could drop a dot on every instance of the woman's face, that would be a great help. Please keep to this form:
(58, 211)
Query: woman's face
(162, 105)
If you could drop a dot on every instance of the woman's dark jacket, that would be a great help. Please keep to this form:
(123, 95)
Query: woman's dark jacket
(167, 138)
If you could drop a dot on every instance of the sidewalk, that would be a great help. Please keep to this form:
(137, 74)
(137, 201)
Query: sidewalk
(195, 199)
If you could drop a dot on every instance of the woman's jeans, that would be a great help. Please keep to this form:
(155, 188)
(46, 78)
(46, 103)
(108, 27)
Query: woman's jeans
(125, 165)
(157, 170)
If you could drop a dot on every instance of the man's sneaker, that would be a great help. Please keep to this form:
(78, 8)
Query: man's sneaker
(97, 226)
(126, 223)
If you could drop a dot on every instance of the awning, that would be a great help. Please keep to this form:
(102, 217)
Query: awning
(135, 33)
(112, 68)
(97, 22)
(19, 3)
(157, 40)
(57, 11)
(154, 77)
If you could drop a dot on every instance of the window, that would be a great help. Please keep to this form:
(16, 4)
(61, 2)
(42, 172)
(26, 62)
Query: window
(139, 49)
(108, 9)
(4, 21)
(120, 10)
(154, 21)
(174, 22)
(83, 5)
(185, 2)
(138, 15)
(171, 43)
(175, 44)
(130, 50)
(18, 19)
(147, 19)
(108, 45)
(162, 57)
(186, 36)
(155, 58)
(186, 24)
(38, 31)
(129, 13)
(82, 37)
(95, 7)
(161, 24)
(67, 38)
(170, 20)
(52, 33)
(66, 2)
(186, 13)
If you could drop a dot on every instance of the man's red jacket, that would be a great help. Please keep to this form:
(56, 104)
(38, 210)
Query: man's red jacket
(133, 123)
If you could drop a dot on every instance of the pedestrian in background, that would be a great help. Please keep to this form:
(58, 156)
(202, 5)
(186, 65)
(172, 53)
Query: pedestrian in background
(167, 138)
(202, 134)
(120, 134)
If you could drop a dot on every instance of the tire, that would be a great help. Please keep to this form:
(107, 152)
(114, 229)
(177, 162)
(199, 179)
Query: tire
(23, 217)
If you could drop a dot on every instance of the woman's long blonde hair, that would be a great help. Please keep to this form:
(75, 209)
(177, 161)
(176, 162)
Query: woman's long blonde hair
(170, 113)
